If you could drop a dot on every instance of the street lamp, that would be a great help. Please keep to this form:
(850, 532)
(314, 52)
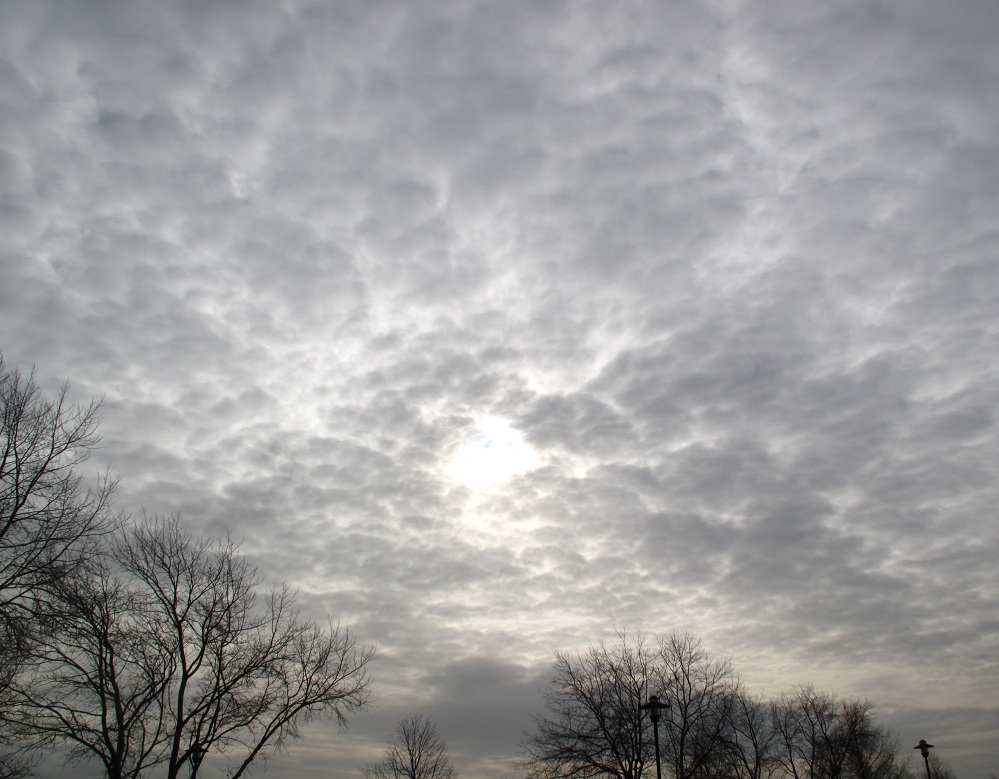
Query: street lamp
(196, 754)
(655, 708)
(924, 750)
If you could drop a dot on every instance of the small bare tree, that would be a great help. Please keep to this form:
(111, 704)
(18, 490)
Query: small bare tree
(415, 751)
(939, 770)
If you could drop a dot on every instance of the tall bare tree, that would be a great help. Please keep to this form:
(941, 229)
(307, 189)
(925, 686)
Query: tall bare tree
(872, 749)
(167, 653)
(49, 513)
(415, 751)
(702, 691)
(751, 738)
(592, 724)
(98, 680)
(50, 519)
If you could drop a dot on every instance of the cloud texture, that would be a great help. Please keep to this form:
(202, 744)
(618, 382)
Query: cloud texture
(495, 326)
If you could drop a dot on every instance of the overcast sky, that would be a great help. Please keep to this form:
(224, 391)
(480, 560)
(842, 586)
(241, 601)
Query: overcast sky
(496, 326)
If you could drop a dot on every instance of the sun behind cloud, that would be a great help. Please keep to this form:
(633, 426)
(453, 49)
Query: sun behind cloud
(494, 452)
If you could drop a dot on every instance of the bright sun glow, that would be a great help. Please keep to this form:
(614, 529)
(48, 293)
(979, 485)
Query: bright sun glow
(490, 455)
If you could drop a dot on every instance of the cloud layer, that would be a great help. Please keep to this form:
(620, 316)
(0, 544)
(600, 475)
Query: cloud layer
(728, 271)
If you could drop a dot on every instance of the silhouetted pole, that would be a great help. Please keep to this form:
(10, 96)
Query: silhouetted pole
(196, 754)
(655, 708)
(924, 750)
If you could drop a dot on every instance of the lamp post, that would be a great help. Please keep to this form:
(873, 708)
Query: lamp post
(196, 754)
(655, 708)
(924, 750)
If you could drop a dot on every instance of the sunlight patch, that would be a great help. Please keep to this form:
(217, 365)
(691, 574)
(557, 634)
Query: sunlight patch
(491, 454)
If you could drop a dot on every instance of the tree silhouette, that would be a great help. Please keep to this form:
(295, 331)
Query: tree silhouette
(164, 649)
(415, 751)
(51, 520)
(591, 725)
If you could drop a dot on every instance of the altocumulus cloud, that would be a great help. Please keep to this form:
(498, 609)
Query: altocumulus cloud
(717, 280)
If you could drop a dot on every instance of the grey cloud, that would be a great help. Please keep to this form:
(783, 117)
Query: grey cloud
(728, 271)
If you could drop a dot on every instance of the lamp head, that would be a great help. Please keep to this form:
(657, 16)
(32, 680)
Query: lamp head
(655, 708)
(197, 752)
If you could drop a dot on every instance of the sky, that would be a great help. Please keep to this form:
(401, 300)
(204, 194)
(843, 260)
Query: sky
(497, 327)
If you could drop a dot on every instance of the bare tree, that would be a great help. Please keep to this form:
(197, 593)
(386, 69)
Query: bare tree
(100, 677)
(50, 519)
(592, 724)
(940, 770)
(712, 730)
(415, 751)
(702, 691)
(48, 513)
(821, 737)
(872, 749)
(750, 738)
(169, 653)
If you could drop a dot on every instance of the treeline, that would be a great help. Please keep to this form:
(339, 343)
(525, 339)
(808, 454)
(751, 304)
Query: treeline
(139, 644)
(593, 724)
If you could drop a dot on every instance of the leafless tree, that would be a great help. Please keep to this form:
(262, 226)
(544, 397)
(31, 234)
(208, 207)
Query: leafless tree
(592, 723)
(50, 519)
(807, 721)
(701, 691)
(168, 652)
(872, 749)
(415, 751)
(821, 737)
(99, 678)
(713, 729)
(940, 770)
(750, 738)
(48, 514)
